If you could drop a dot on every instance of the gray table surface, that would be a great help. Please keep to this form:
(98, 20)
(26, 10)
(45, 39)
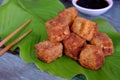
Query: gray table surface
(13, 68)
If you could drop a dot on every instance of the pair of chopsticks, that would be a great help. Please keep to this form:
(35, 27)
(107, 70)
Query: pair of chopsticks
(11, 35)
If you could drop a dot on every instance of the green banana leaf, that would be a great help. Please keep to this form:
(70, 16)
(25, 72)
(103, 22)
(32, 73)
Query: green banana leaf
(13, 13)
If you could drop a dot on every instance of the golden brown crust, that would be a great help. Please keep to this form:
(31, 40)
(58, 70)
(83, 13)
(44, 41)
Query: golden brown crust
(102, 40)
(69, 14)
(91, 57)
(83, 43)
(48, 51)
(73, 45)
(84, 28)
(57, 29)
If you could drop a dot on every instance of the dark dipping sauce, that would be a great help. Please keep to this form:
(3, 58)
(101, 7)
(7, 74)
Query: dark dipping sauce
(92, 4)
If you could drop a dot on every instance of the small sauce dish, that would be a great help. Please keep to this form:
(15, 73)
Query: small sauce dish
(93, 11)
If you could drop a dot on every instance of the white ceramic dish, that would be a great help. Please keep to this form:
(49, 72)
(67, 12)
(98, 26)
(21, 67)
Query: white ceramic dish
(93, 12)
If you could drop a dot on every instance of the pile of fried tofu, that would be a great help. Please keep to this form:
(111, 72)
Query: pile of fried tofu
(76, 37)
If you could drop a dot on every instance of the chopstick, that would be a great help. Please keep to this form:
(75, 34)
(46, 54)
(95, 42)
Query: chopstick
(14, 42)
(13, 33)
(17, 40)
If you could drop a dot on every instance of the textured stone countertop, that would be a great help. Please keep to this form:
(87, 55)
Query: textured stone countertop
(13, 68)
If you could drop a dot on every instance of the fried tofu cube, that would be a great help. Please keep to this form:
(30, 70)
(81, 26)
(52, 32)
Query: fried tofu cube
(102, 40)
(48, 51)
(91, 57)
(57, 29)
(69, 14)
(84, 28)
(73, 45)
